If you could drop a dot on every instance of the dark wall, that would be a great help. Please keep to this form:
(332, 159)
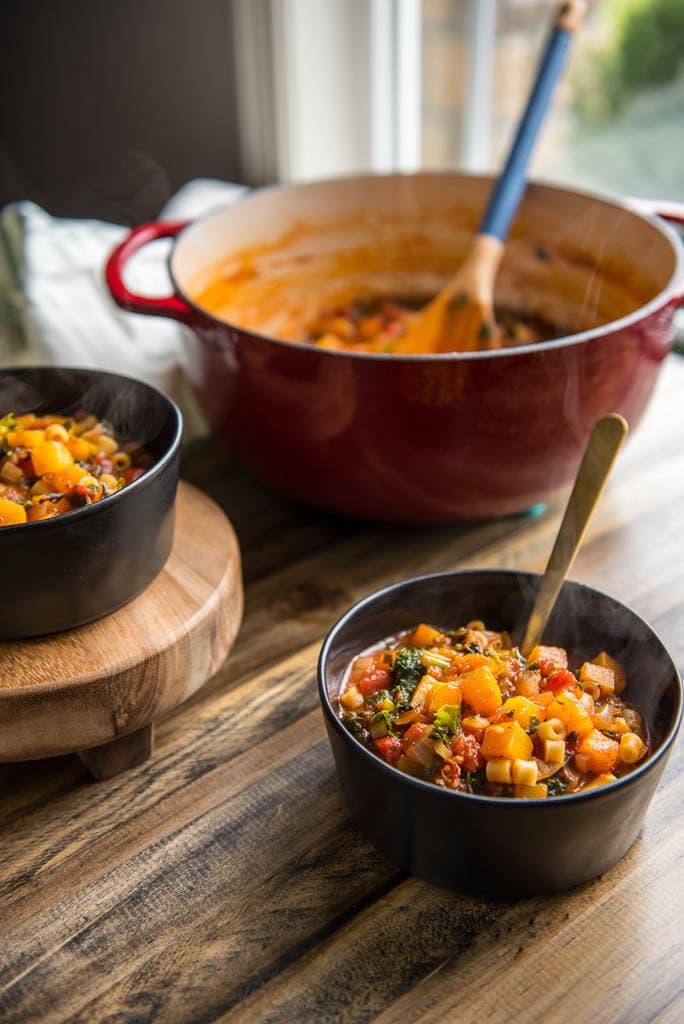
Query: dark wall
(108, 106)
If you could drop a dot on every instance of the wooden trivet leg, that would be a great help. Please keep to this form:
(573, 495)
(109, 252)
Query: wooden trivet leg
(126, 752)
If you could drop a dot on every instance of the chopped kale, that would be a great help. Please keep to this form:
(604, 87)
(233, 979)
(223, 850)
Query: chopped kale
(447, 722)
(357, 722)
(407, 671)
(556, 786)
(474, 781)
(473, 648)
(572, 737)
(534, 725)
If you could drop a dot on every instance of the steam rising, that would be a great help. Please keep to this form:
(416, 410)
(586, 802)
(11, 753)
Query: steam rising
(136, 412)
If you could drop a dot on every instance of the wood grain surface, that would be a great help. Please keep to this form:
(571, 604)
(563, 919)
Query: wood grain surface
(222, 880)
(113, 677)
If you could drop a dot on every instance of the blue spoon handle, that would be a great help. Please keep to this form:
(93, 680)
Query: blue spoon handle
(511, 184)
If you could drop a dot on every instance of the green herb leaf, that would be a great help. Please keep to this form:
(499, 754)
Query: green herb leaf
(447, 722)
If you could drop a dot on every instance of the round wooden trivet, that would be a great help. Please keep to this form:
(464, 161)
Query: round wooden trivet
(97, 690)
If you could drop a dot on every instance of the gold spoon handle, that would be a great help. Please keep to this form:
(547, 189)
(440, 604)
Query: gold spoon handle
(600, 454)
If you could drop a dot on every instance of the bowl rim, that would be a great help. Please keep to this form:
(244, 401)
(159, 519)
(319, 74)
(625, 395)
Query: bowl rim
(673, 290)
(175, 418)
(428, 787)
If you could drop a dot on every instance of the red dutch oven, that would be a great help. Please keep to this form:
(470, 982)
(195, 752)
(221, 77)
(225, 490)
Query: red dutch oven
(429, 438)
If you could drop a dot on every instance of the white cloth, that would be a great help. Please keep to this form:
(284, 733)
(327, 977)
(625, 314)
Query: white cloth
(55, 307)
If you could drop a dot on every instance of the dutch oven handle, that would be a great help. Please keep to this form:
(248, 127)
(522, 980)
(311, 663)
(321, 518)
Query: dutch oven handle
(669, 211)
(169, 305)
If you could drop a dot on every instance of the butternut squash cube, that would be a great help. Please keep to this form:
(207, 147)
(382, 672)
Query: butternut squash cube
(50, 457)
(538, 792)
(600, 780)
(79, 448)
(573, 716)
(424, 635)
(481, 691)
(443, 693)
(506, 739)
(520, 709)
(25, 438)
(596, 753)
(467, 662)
(475, 725)
(66, 478)
(11, 513)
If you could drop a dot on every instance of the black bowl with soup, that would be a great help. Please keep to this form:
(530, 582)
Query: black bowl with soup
(475, 843)
(66, 571)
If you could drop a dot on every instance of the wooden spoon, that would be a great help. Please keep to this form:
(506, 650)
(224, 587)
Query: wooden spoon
(461, 317)
(602, 449)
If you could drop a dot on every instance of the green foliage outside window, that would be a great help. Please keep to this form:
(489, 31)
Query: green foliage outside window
(642, 47)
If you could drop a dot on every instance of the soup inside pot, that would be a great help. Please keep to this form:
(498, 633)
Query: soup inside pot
(572, 262)
(374, 325)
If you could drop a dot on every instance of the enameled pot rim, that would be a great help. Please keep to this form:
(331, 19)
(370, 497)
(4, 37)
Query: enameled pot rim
(103, 504)
(427, 787)
(673, 291)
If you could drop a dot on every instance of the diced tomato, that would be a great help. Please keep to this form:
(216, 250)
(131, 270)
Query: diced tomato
(467, 747)
(415, 732)
(390, 748)
(372, 680)
(132, 474)
(561, 680)
(26, 466)
(546, 667)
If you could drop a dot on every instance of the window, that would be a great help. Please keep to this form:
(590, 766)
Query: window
(354, 85)
(618, 116)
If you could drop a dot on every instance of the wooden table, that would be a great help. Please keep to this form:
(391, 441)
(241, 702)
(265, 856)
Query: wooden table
(223, 880)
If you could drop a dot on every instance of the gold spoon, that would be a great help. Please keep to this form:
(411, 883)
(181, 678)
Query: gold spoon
(602, 449)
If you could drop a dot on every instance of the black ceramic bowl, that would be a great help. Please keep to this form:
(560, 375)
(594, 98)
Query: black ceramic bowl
(63, 572)
(503, 847)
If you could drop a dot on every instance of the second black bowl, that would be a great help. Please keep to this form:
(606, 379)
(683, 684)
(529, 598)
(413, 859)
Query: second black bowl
(504, 847)
(64, 572)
